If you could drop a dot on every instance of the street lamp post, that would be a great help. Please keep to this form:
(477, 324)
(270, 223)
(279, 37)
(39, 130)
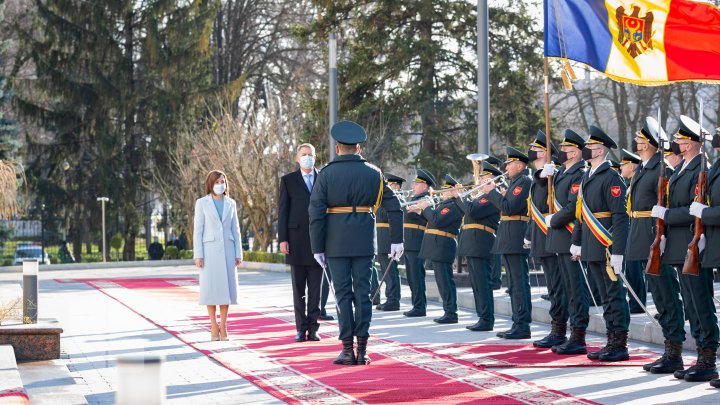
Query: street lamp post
(42, 233)
(103, 200)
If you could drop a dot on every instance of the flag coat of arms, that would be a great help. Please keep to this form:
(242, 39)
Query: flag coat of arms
(648, 42)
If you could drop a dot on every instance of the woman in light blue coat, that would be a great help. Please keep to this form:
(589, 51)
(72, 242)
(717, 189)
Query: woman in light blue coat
(217, 250)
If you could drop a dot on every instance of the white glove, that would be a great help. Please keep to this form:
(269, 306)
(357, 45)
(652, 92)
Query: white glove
(616, 261)
(320, 258)
(548, 219)
(658, 211)
(696, 209)
(575, 250)
(662, 244)
(396, 251)
(548, 170)
(526, 244)
(701, 243)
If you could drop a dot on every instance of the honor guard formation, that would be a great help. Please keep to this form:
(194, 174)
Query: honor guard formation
(604, 232)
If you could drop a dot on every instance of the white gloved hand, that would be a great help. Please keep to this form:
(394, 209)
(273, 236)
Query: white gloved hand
(697, 208)
(701, 243)
(575, 250)
(527, 244)
(658, 211)
(616, 261)
(662, 244)
(320, 258)
(548, 219)
(396, 251)
(548, 170)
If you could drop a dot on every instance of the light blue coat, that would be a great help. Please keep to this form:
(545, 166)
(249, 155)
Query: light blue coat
(218, 243)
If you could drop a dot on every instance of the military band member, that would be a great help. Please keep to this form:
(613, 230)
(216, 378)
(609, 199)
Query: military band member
(603, 235)
(566, 187)
(634, 269)
(665, 288)
(496, 274)
(415, 225)
(709, 212)
(672, 154)
(382, 227)
(346, 194)
(536, 238)
(476, 241)
(509, 242)
(696, 290)
(439, 246)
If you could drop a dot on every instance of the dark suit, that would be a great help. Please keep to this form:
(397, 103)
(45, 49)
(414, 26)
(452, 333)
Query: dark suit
(293, 227)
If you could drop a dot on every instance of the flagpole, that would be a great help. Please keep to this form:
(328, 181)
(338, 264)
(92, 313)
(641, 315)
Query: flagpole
(548, 152)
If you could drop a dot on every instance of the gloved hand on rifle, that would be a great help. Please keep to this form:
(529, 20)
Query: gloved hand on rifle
(697, 208)
(658, 211)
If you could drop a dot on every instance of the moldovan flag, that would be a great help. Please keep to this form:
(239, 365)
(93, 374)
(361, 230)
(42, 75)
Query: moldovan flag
(647, 42)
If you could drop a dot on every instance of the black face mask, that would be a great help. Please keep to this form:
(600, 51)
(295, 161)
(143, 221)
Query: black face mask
(675, 147)
(587, 154)
(562, 157)
(716, 141)
(532, 155)
(634, 146)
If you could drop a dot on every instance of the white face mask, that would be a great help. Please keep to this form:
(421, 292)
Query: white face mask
(307, 162)
(219, 188)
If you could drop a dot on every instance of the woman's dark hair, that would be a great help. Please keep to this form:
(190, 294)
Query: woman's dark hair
(212, 178)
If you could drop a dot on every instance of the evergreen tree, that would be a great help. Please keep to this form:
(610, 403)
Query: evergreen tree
(8, 129)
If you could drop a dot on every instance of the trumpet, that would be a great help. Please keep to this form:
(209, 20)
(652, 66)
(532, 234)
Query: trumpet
(444, 190)
(432, 200)
(477, 188)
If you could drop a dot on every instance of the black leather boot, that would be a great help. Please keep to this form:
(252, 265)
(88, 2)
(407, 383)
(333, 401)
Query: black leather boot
(672, 361)
(362, 358)
(347, 355)
(662, 358)
(715, 382)
(680, 374)
(556, 336)
(604, 349)
(574, 345)
(705, 369)
(618, 349)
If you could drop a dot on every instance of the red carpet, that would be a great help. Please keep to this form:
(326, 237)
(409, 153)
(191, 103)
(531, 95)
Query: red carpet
(15, 396)
(262, 350)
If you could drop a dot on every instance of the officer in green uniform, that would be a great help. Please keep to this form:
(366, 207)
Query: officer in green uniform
(415, 225)
(509, 242)
(536, 238)
(665, 288)
(476, 240)
(392, 280)
(346, 195)
(634, 269)
(710, 214)
(496, 273)
(439, 246)
(696, 290)
(603, 236)
(566, 186)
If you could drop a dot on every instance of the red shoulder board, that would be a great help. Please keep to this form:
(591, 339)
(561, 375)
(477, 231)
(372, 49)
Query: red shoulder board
(574, 188)
(615, 191)
(517, 190)
(697, 189)
(444, 211)
(483, 200)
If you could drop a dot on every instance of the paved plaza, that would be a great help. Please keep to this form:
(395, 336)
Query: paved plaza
(98, 329)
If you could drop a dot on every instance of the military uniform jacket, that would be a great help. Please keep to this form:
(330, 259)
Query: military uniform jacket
(445, 217)
(678, 221)
(642, 196)
(538, 195)
(350, 181)
(604, 191)
(711, 218)
(566, 184)
(510, 234)
(383, 233)
(414, 236)
(476, 242)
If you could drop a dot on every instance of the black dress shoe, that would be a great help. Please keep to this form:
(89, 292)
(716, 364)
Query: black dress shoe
(388, 307)
(656, 316)
(502, 334)
(480, 326)
(313, 337)
(636, 311)
(300, 337)
(517, 334)
(446, 319)
(326, 317)
(415, 312)
(546, 297)
(715, 382)
(496, 287)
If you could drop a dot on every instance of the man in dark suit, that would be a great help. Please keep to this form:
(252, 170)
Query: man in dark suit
(294, 237)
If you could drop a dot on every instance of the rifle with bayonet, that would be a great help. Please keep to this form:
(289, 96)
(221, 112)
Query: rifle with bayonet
(653, 263)
(692, 258)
